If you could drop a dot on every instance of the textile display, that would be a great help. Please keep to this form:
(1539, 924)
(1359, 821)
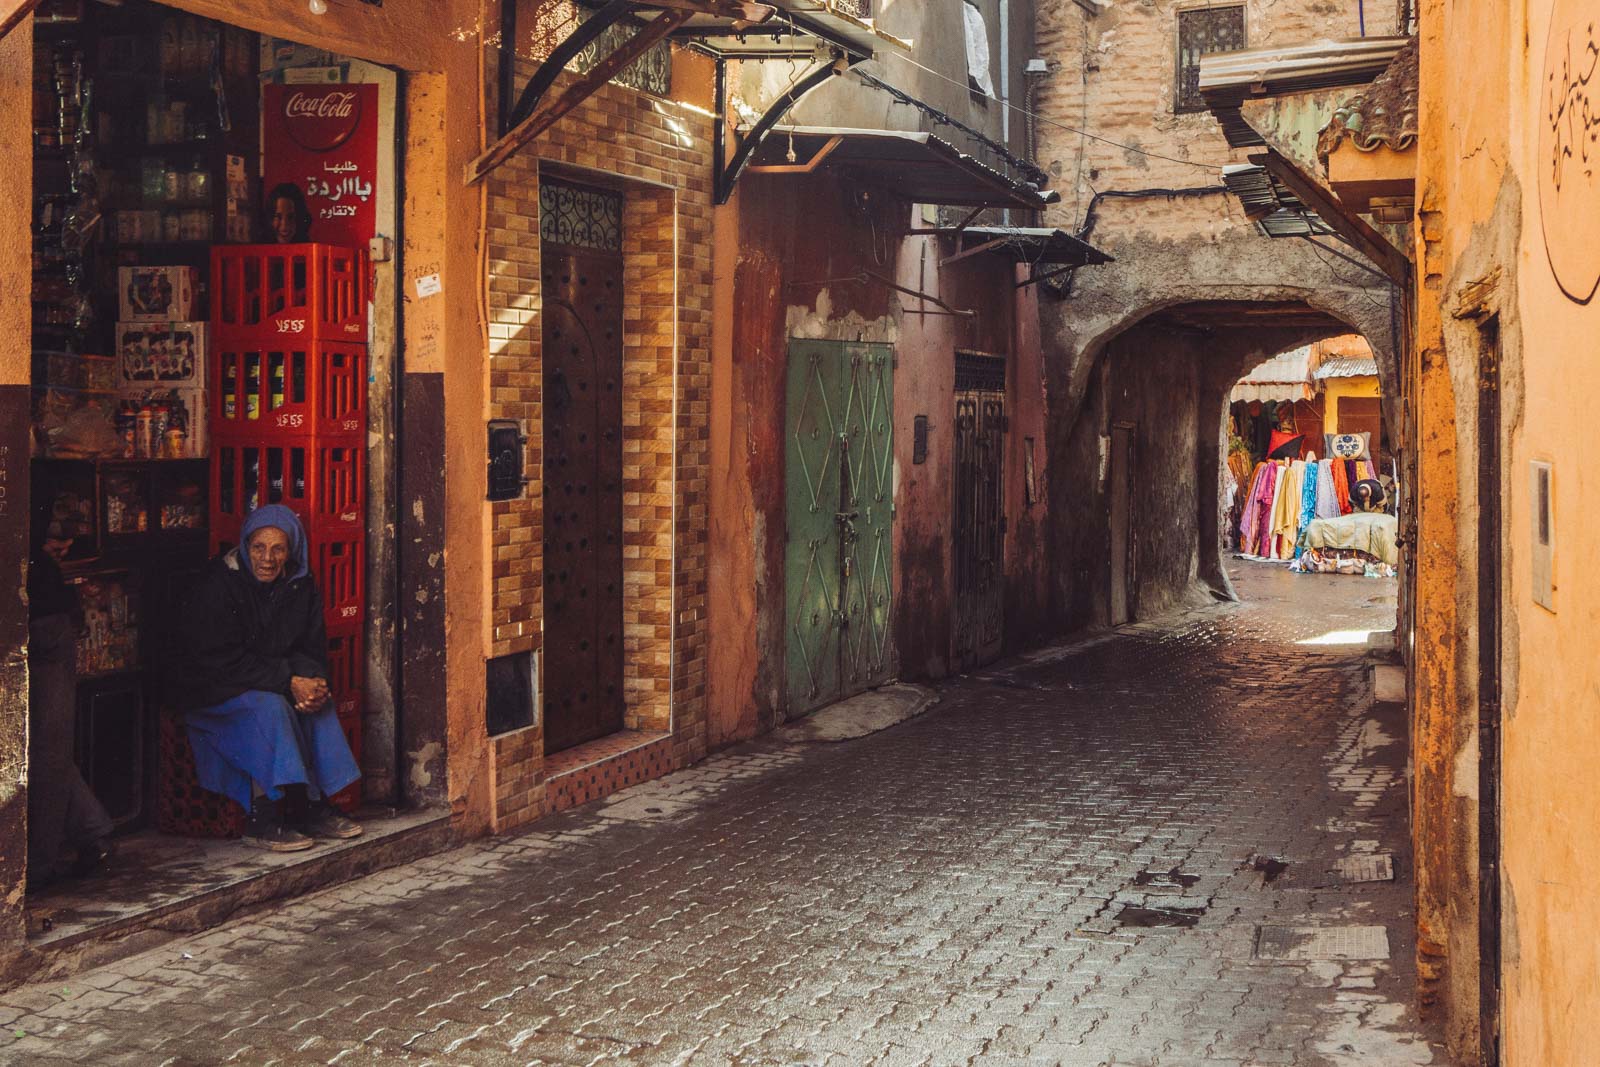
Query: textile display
(1284, 501)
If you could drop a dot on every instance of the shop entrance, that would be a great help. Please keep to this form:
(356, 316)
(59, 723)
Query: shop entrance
(582, 350)
(191, 364)
(979, 521)
(839, 550)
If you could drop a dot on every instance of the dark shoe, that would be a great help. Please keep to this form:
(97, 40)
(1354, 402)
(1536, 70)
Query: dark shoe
(94, 859)
(264, 829)
(325, 821)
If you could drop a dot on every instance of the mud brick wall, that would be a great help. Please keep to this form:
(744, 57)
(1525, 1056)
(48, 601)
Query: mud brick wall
(658, 155)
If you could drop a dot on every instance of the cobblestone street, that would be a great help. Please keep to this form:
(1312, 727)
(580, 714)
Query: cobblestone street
(1071, 859)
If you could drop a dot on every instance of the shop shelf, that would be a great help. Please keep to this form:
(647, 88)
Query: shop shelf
(283, 390)
(276, 294)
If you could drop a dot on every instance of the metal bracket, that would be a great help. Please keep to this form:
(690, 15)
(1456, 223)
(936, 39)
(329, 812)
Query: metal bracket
(728, 174)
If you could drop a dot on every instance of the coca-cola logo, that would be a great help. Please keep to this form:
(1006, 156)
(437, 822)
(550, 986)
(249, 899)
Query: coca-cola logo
(320, 120)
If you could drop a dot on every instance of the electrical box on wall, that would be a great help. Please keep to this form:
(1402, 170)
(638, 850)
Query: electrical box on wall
(1543, 553)
(506, 442)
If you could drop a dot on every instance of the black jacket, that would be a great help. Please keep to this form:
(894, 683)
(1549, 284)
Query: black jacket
(237, 634)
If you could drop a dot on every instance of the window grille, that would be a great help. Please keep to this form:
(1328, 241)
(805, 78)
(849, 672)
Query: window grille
(579, 216)
(1201, 32)
(650, 73)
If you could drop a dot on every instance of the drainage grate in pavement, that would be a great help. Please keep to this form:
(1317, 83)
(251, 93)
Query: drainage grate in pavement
(1173, 879)
(1131, 915)
(1366, 867)
(1322, 943)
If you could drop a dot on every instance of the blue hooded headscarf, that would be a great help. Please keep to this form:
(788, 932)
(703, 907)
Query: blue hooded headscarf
(285, 520)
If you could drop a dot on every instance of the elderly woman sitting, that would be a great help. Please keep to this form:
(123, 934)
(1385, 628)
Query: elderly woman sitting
(254, 686)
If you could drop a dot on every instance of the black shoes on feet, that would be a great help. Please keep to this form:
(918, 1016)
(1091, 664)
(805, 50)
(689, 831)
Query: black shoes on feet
(266, 829)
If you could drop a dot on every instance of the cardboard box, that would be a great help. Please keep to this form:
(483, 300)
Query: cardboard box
(157, 294)
(151, 354)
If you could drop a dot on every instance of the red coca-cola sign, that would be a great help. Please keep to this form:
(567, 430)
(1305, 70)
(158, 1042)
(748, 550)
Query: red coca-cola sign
(320, 119)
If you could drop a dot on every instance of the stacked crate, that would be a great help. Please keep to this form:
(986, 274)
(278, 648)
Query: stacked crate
(288, 372)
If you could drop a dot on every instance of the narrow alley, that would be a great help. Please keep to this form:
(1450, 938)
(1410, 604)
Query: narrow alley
(1101, 853)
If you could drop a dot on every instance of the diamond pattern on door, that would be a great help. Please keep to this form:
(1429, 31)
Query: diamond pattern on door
(839, 554)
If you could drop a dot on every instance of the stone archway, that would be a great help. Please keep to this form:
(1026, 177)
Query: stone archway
(1153, 381)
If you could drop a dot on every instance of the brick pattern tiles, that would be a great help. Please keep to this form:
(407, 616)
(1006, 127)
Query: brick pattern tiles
(944, 892)
(607, 766)
(519, 787)
(662, 154)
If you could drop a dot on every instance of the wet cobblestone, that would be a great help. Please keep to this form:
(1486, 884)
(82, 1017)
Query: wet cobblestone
(944, 892)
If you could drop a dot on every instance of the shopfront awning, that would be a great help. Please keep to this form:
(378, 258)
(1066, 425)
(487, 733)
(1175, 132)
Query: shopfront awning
(793, 34)
(911, 164)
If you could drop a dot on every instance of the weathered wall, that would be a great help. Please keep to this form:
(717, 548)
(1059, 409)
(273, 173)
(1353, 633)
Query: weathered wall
(1153, 199)
(1502, 242)
(16, 314)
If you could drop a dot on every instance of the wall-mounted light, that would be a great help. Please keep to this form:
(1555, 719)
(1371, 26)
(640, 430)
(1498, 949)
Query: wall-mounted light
(319, 7)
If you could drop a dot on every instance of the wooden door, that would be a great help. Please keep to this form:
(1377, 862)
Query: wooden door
(979, 523)
(1122, 457)
(582, 392)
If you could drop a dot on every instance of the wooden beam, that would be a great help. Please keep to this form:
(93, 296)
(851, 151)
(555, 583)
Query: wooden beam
(737, 10)
(546, 115)
(974, 250)
(799, 168)
(1394, 264)
(12, 12)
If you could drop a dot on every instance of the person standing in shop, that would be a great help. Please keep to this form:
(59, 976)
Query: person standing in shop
(62, 808)
(254, 687)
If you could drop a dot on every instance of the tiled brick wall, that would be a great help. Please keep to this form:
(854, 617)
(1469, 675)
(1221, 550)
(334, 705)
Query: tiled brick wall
(519, 786)
(659, 155)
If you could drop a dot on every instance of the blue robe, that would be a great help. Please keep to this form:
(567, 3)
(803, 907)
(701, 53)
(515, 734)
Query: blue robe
(258, 735)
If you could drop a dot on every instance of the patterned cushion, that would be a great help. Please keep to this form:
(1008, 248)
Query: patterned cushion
(1348, 445)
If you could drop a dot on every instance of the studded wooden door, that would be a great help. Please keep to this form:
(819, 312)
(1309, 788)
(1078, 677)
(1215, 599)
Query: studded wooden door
(581, 258)
(979, 524)
(839, 555)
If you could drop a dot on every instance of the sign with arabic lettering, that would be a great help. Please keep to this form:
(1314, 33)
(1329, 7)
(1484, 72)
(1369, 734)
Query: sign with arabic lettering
(324, 140)
(1569, 148)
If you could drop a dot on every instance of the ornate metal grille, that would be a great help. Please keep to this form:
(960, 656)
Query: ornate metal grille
(650, 73)
(1201, 32)
(580, 217)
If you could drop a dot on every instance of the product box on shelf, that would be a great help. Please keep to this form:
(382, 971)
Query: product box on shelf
(161, 354)
(163, 423)
(157, 294)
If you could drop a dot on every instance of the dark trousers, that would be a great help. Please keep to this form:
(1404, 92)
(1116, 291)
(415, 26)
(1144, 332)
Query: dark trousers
(61, 807)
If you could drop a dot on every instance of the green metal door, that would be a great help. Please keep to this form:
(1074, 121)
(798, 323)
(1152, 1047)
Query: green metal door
(839, 471)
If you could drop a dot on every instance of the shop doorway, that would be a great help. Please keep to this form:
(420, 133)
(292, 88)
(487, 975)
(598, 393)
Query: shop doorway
(979, 522)
(155, 143)
(838, 557)
(582, 349)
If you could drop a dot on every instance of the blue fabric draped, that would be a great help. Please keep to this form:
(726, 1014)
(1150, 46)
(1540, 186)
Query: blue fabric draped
(1308, 503)
(257, 735)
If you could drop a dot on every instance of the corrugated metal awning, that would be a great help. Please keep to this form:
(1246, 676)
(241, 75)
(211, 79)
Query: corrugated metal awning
(909, 163)
(1277, 212)
(1227, 79)
(1347, 367)
(1286, 376)
(1031, 244)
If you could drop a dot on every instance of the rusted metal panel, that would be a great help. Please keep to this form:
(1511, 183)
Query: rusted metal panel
(978, 525)
(582, 388)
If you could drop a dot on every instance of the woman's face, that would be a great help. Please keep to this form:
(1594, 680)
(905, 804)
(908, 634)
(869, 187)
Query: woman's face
(285, 220)
(269, 551)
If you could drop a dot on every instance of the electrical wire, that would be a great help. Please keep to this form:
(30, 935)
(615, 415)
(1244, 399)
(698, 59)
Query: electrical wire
(1052, 122)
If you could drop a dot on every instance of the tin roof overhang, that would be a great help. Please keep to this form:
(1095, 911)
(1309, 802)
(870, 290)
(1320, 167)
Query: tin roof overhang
(1227, 79)
(792, 34)
(1274, 208)
(909, 163)
(1032, 244)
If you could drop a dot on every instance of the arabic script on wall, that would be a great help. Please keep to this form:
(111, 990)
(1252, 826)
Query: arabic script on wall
(1569, 148)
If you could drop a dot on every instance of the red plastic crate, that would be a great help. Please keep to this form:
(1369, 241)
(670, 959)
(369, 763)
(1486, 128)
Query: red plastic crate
(340, 567)
(282, 389)
(325, 483)
(183, 805)
(347, 668)
(289, 291)
(351, 711)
